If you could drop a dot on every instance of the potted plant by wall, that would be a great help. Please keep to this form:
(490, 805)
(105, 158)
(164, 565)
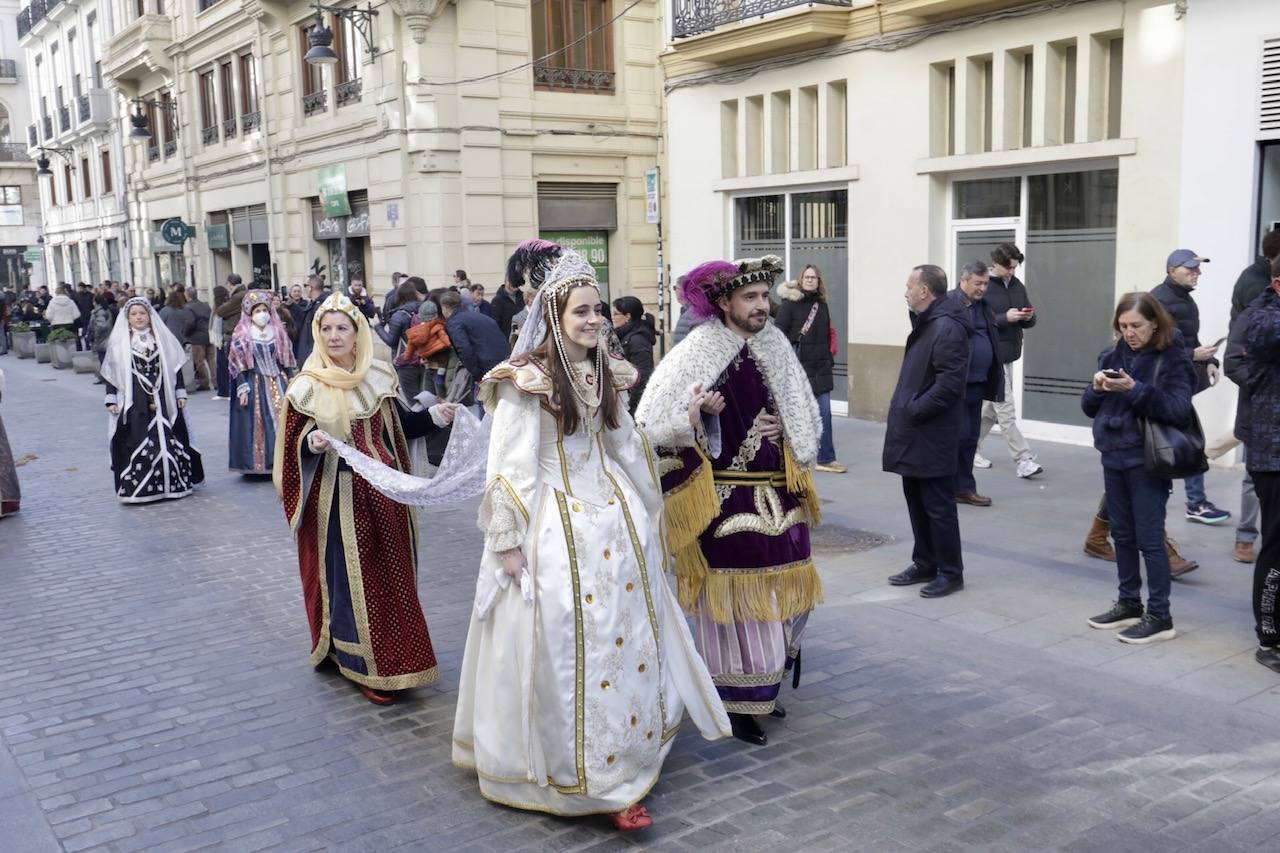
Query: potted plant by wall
(85, 362)
(24, 340)
(42, 351)
(62, 345)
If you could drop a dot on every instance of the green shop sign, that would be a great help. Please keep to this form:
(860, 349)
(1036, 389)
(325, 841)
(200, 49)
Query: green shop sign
(333, 190)
(592, 245)
(219, 236)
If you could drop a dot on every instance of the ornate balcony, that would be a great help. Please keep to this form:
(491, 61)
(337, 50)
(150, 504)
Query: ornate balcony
(209, 135)
(139, 50)
(82, 107)
(13, 152)
(153, 153)
(572, 79)
(24, 22)
(692, 17)
(229, 129)
(348, 92)
(316, 102)
(64, 119)
(170, 148)
(250, 122)
(46, 123)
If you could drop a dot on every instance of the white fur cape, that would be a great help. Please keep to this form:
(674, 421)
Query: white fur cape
(700, 359)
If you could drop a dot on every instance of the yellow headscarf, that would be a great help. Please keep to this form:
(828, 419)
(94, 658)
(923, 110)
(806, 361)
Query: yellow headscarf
(329, 381)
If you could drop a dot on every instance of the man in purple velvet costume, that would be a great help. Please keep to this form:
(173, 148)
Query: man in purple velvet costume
(739, 487)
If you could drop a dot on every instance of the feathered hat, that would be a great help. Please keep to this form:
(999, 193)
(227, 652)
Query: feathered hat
(706, 284)
(533, 257)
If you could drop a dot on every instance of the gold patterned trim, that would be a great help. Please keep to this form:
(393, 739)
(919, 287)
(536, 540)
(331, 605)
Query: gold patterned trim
(327, 474)
(498, 478)
(751, 478)
(749, 707)
(391, 682)
(538, 807)
(564, 463)
(761, 679)
(307, 425)
(769, 519)
(355, 575)
(580, 654)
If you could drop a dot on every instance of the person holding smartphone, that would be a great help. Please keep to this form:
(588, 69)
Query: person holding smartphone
(1145, 375)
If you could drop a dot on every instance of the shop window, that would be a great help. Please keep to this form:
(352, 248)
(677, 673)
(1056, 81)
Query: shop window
(1073, 200)
(987, 198)
(572, 45)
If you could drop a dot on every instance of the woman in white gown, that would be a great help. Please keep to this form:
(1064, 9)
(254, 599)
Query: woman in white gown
(577, 674)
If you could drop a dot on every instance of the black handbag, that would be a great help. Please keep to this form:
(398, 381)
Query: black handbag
(1171, 452)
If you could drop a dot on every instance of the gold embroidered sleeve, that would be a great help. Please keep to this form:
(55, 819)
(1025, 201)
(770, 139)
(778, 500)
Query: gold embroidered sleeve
(513, 467)
(503, 517)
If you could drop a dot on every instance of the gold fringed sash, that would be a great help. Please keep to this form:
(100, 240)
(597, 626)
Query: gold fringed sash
(800, 484)
(736, 596)
(691, 507)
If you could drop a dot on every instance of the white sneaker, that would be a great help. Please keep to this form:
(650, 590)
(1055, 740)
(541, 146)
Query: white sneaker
(1029, 467)
(980, 461)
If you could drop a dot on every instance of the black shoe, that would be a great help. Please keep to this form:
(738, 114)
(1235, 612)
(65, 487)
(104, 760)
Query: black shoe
(778, 711)
(1268, 656)
(912, 574)
(940, 586)
(746, 727)
(1150, 629)
(1121, 615)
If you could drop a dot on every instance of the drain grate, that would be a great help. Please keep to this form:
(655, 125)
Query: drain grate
(833, 537)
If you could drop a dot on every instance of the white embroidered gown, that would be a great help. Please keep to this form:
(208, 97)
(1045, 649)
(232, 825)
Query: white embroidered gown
(568, 703)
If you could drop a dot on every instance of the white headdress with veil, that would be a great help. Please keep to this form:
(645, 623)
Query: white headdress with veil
(117, 364)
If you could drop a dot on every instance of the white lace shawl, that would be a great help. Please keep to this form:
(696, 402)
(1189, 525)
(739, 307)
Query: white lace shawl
(701, 357)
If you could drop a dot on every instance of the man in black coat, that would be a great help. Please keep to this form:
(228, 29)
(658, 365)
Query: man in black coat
(1174, 293)
(984, 379)
(506, 303)
(477, 340)
(1256, 277)
(316, 293)
(922, 437)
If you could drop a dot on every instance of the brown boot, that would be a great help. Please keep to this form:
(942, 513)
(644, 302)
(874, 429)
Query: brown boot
(1096, 543)
(1178, 566)
(1244, 552)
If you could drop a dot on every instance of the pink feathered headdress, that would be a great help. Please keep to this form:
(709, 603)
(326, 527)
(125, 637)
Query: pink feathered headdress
(703, 285)
(535, 256)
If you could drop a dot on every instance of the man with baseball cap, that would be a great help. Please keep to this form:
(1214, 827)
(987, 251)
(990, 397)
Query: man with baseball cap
(1182, 275)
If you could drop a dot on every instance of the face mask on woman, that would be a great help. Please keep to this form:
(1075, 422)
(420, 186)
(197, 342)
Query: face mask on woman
(261, 319)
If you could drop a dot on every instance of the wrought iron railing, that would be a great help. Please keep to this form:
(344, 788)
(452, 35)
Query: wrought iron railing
(24, 22)
(250, 122)
(13, 151)
(229, 129)
(82, 107)
(316, 102)
(209, 135)
(346, 93)
(64, 118)
(170, 148)
(206, 4)
(153, 153)
(46, 123)
(691, 17)
(8, 68)
(33, 136)
(573, 79)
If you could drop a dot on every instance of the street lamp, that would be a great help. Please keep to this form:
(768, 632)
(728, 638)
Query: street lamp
(320, 37)
(140, 125)
(42, 162)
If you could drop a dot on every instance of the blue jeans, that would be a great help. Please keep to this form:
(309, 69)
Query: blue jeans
(1195, 490)
(827, 448)
(1136, 502)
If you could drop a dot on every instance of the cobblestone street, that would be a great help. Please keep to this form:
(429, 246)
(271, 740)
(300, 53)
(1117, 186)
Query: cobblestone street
(155, 692)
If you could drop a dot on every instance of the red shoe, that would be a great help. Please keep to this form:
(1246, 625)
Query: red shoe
(636, 817)
(377, 697)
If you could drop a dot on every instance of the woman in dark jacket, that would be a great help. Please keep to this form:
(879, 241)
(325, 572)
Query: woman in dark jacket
(178, 317)
(638, 335)
(1125, 391)
(806, 321)
(408, 301)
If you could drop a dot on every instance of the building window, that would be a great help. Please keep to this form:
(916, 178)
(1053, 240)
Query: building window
(85, 183)
(572, 45)
(107, 188)
(66, 175)
(1115, 84)
(153, 144)
(11, 206)
(346, 43)
(226, 78)
(248, 85)
(208, 110)
(314, 97)
(170, 119)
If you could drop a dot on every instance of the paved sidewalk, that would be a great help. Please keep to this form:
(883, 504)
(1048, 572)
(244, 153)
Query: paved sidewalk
(155, 695)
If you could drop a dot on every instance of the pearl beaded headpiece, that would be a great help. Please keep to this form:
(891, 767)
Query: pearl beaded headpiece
(337, 301)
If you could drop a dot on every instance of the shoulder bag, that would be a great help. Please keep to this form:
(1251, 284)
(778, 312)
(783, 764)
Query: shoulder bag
(1171, 452)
